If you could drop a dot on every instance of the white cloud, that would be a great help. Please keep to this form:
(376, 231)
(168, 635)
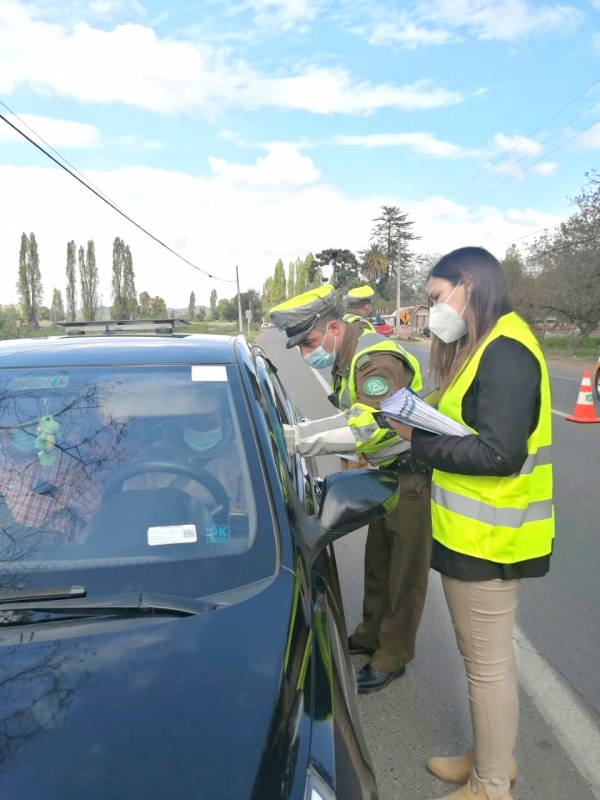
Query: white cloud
(217, 222)
(409, 34)
(59, 132)
(170, 75)
(282, 13)
(545, 168)
(283, 166)
(517, 144)
(439, 21)
(425, 143)
(590, 140)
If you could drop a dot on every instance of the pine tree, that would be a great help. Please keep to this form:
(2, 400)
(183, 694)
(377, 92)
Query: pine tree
(213, 304)
(71, 290)
(29, 283)
(192, 307)
(392, 232)
(58, 310)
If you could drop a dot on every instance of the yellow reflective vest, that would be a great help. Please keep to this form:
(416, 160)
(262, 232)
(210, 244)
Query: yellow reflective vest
(509, 519)
(362, 321)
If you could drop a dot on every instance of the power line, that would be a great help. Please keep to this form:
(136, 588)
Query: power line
(527, 138)
(41, 138)
(111, 204)
(531, 152)
(512, 177)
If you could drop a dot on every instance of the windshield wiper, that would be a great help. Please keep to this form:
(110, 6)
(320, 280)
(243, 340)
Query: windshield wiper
(24, 595)
(116, 604)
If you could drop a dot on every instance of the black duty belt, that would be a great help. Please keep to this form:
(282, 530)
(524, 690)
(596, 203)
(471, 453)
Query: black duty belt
(406, 462)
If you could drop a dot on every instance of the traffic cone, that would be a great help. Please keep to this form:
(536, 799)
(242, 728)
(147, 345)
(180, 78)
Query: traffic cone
(584, 407)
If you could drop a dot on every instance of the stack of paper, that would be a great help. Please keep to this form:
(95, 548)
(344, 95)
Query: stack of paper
(406, 406)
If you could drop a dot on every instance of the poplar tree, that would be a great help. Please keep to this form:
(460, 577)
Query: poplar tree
(29, 283)
(71, 290)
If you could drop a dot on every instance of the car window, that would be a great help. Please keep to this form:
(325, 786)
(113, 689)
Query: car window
(130, 466)
(276, 408)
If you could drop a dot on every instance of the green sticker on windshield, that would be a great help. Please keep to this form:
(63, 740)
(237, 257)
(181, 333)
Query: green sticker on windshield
(376, 387)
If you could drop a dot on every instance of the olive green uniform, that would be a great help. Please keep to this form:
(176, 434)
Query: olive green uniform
(398, 550)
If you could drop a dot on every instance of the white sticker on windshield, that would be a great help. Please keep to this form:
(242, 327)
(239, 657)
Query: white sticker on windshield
(205, 372)
(172, 534)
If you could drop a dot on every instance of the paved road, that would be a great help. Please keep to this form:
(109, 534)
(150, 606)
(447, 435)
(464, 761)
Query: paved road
(558, 636)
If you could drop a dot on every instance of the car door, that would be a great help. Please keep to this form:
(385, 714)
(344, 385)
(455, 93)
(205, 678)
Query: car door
(336, 729)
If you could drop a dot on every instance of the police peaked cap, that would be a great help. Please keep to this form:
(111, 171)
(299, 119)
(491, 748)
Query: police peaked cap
(298, 316)
(359, 296)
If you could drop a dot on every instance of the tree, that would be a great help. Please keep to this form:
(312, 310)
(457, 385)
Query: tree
(158, 308)
(343, 264)
(267, 292)
(58, 310)
(201, 315)
(374, 263)
(565, 264)
(192, 307)
(392, 232)
(9, 324)
(213, 304)
(278, 288)
(145, 305)
(519, 282)
(71, 290)
(29, 283)
(89, 280)
(227, 310)
(251, 301)
(119, 308)
(301, 279)
(313, 272)
(291, 280)
(129, 292)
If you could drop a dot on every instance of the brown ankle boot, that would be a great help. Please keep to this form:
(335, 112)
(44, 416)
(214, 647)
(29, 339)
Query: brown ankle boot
(457, 770)
(466, 793)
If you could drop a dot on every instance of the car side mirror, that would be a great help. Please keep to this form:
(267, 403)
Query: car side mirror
(349, 501)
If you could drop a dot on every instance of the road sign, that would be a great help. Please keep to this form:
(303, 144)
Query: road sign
(405, 331)
(404, 317)
(248, 314)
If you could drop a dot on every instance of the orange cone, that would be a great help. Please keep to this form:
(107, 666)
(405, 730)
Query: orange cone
(584, 407)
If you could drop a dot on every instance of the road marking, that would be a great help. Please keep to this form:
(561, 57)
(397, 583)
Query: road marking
(559, 413)
(562, 709)
(563, 378)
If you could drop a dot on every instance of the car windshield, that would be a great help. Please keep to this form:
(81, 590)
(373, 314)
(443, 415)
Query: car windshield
(127, 478)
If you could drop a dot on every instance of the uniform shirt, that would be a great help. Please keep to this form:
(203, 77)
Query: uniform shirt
(385, 366)
(503, 406)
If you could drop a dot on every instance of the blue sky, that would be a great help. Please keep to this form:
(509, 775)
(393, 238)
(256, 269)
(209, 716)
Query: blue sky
(242, 132)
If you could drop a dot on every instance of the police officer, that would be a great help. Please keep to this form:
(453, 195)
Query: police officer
(358, 303)
(367, 368)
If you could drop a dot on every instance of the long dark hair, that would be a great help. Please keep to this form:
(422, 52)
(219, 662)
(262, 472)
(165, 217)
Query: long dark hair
(488, 301)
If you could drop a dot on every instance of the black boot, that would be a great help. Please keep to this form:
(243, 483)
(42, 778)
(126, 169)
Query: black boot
(369, 679)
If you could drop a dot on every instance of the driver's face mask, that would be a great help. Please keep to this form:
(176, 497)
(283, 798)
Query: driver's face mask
(202, 441)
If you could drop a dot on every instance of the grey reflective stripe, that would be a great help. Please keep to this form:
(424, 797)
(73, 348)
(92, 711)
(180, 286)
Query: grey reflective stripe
(391, 451)
(490, 515)
(314, 427)
(325, 436)
(541, 458)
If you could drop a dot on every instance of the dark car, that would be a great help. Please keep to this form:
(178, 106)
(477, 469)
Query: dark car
(171, 624)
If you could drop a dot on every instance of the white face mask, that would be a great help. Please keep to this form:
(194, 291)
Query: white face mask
(445, 322)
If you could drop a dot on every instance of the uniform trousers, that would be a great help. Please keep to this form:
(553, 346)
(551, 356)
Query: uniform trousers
(397, 560)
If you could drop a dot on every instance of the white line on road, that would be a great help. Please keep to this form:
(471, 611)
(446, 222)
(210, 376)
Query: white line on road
(562, 709)
(563, 378)
(559, 413)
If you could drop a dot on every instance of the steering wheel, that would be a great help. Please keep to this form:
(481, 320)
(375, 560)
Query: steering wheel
(195, 473)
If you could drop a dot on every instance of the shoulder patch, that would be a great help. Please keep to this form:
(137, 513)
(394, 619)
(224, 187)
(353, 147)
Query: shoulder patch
(363, 361)
(375, 387)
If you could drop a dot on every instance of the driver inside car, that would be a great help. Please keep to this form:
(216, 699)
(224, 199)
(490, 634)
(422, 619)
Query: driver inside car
(205, 439)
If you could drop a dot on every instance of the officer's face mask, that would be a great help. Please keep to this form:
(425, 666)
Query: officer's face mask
(446, 322)
(319, 358)
(202, 441)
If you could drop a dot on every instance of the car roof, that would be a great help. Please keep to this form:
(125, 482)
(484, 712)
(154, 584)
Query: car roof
(96, 350)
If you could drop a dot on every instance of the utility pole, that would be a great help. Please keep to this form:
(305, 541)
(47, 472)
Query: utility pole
(237, 278)
(398, 285)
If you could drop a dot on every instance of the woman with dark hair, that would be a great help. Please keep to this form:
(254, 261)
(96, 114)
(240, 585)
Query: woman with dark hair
(492, 509)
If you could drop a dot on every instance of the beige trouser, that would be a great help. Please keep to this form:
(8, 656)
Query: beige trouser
(483, 615)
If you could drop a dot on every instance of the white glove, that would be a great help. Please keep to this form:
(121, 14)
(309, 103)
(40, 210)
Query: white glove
(290, 433)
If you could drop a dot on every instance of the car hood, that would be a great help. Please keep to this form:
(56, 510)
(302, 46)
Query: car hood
(177, 709)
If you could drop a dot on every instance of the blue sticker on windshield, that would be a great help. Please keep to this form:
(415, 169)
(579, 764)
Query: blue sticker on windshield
(218, 534)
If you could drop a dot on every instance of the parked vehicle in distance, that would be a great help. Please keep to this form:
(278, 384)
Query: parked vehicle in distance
(171, 617)
(382, 327)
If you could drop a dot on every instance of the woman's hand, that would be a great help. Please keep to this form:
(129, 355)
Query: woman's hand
(404, 431)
